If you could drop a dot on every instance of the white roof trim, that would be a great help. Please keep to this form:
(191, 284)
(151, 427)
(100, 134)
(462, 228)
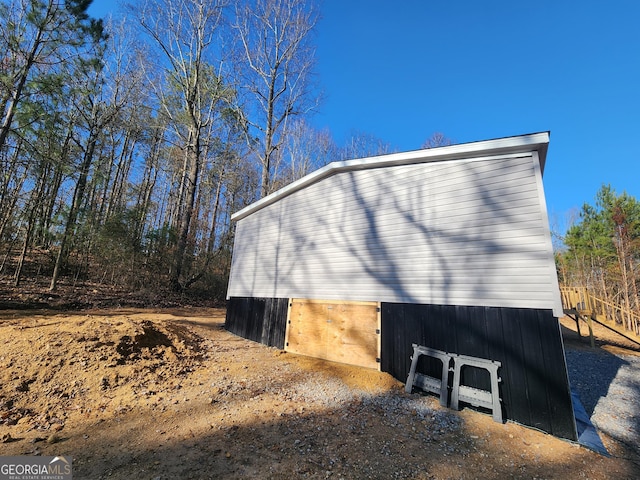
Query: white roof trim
(501, 146)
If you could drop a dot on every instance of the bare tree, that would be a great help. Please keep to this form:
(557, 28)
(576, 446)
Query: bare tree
(97, 104)
(305, 150)
(190, 96)
(361, 145)
(437, 139)
(278, 58)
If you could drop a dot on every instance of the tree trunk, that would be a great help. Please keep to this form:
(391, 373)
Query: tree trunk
(214, 216)
(23, 253)
(78, 195)
(148, 184)
(193, 149)
(36, 200)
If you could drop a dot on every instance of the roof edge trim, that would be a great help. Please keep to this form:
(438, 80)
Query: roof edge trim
(519, 144)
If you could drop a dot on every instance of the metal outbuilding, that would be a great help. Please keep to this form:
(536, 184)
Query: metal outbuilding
(447, 247)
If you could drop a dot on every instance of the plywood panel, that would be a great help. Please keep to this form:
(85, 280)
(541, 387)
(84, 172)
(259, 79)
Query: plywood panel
(346, 332)
(307, 329)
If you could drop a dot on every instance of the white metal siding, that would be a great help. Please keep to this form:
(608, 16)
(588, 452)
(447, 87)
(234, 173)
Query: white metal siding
(462, 232)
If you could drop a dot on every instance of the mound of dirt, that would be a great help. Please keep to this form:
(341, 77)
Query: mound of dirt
(171, 394)
(53, 365)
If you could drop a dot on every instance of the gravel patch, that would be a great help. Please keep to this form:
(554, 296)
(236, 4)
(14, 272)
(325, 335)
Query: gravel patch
(608, 386)
(332, 393)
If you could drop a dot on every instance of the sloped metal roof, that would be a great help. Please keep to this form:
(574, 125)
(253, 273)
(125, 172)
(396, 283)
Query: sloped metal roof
(487, 148)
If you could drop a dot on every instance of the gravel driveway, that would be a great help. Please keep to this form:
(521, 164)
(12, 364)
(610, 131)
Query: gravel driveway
(609, 388)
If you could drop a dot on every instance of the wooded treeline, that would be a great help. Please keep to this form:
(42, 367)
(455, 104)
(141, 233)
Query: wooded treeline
(126, 144)
(603, 249)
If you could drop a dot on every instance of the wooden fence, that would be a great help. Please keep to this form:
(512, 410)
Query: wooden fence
(582, 303)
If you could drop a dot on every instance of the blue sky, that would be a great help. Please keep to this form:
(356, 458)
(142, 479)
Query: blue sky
(479, 70)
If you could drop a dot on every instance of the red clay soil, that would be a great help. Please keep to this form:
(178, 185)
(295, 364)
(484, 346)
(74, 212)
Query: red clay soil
(168, 393)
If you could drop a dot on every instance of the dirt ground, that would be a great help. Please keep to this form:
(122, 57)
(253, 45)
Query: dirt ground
(169, 394)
